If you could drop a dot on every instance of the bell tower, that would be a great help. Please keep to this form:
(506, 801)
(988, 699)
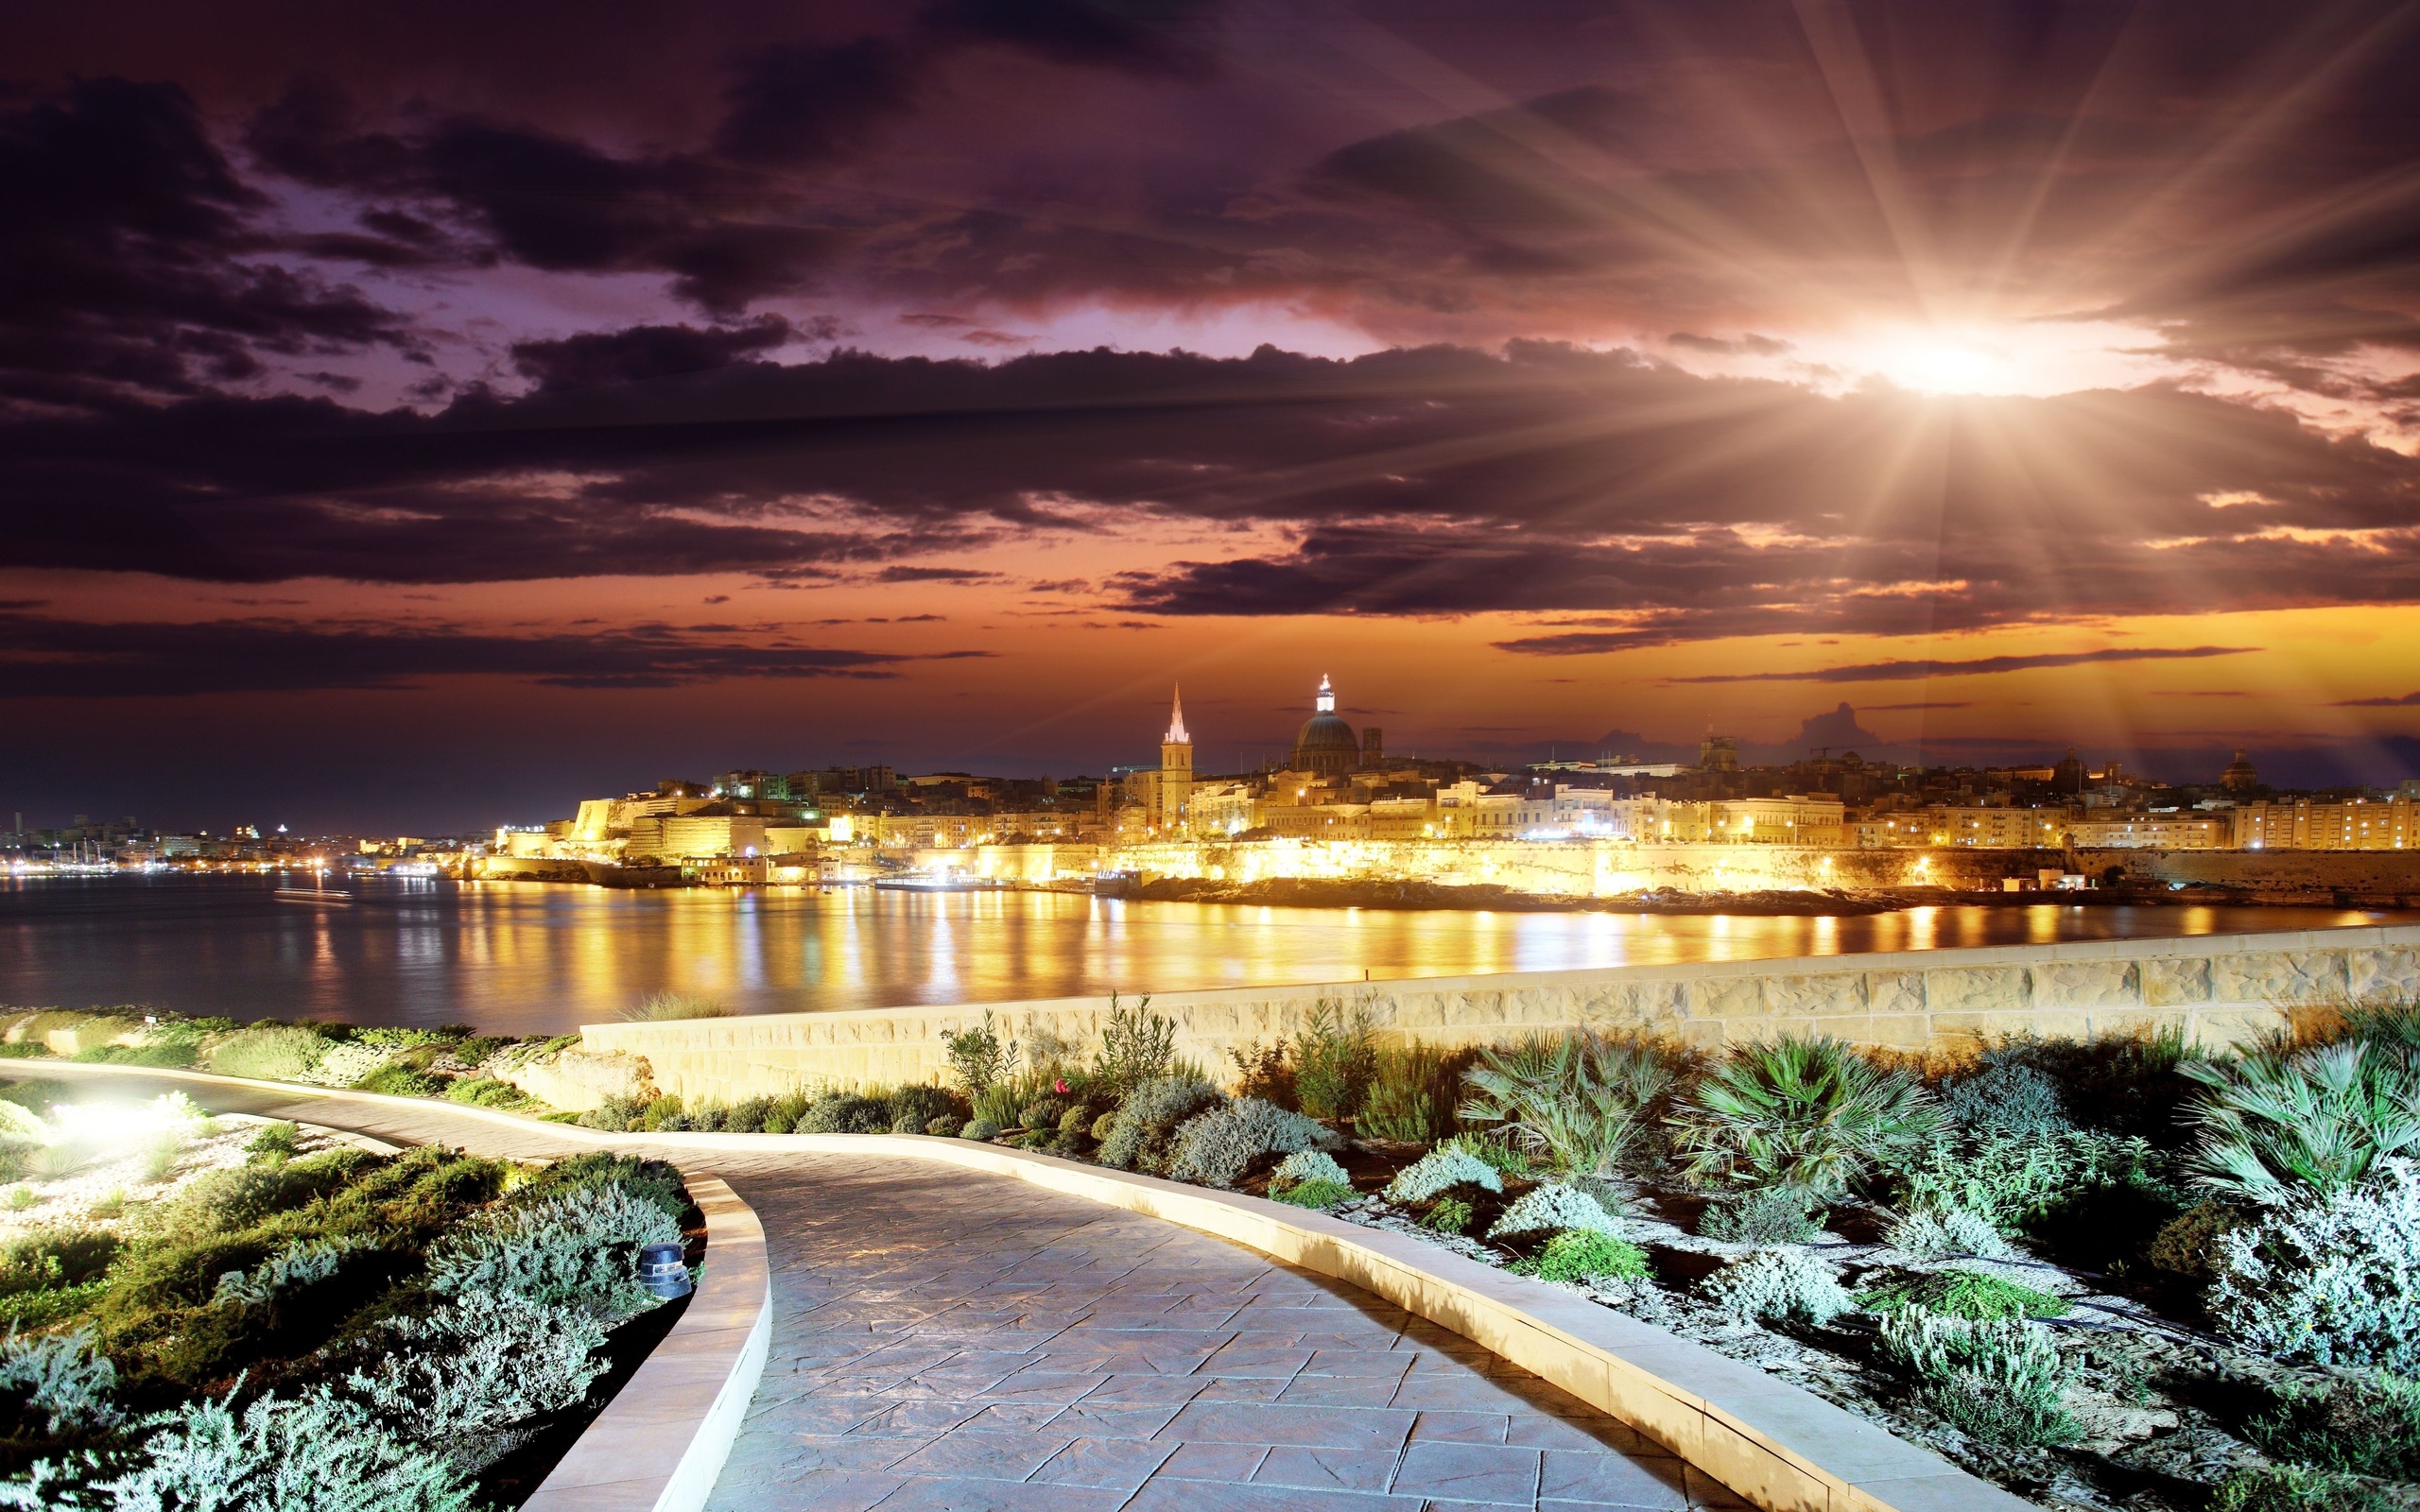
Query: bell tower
(1176, 770)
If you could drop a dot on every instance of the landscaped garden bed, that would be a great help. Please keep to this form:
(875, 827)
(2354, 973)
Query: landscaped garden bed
(2125, 1274)
(248, 1316)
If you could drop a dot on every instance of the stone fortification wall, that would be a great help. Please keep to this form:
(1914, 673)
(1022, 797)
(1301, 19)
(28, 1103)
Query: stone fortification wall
(2220, 988)
(1584, 868)
(2362, 871)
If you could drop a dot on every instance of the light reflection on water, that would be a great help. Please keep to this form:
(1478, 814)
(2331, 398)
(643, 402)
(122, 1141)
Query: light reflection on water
(530, 958)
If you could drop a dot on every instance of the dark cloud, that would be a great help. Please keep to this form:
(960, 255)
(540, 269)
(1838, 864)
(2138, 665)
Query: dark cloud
(54, 657)
(796, 104)
(1976, 667)
(1149, 37)
(640, 353)
(933, 574)
(2408, 701)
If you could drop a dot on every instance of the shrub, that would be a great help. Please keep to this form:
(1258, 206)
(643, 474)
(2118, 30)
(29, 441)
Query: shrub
(978, 1129)
(1780, 1285)
(663, 1008)
(748, 1115)
(846, 1113)
(921, 1105)
(2116, 1085)
(615, 1113)
(2187, 1245)
(277, 1141)
(1411, 1095)
(1584, 1255)
(1150, 1117)
(302, 1263)
(946, 1124)
(2336, 1282)
(579, 1248)
(2007, 1097)
(1763, 1215)
(1998, 1380)
(2296, 1488)
(1583, 1102)
(345, 1062)
(1506, 1159)
(1043, 1112)
(317, 1450)
(461, 1376)
(2367, 1422)
(1450, 1215)
(1334, 1058)
(1440, 1171)
(1967, 1294)
(53, 1257)
(979, 1058)
(269, 1052)
(2012, 1182)
(1217, 1148)
(2273, 1128)
(1262, 1072)
(485, 1092)
(1552, 1209)
(1314, 1194)
(652, 1181)
(1077, 1121)
(1944, 1233)
(1137, 1047)
(60, 1379)
(1309, 1164)
(398, 1080)
(1809, 1113)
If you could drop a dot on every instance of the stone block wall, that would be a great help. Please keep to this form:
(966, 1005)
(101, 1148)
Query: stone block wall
(2219, 989)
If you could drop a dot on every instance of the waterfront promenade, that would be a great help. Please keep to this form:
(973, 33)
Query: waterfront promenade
(951, 1341)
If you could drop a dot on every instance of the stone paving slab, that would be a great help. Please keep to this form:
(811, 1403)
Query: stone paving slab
(946, 1341)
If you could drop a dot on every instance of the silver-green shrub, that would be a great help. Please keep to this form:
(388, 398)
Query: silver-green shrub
(1761, 1216)
(579, 1248)
(302, 1263)
(1442, 1169)
(306, 1453)
(2335, 1281)
(1999, 1379)
(2276, 1128)
(60, 1378)
(1306, 1166)
(1553, 1209)
(2007, 1097)
(2012, 1179)
(463, 1376)
(1151, 1115)
(1218, 1146)
(1939, 1235)
(1780, 1285)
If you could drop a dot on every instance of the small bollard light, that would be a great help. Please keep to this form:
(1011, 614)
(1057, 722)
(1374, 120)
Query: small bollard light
(663, 1272)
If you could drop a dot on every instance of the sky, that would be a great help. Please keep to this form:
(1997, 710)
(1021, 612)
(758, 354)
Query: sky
(418, 419)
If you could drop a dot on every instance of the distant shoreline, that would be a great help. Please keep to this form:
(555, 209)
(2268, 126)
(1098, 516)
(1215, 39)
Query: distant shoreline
(1418, 896)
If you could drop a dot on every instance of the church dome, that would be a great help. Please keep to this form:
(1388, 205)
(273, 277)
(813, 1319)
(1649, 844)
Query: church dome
(1325, 743)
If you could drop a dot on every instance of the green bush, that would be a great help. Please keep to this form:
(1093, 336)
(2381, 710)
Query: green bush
(1137, 1047)
(1969, 1294)
(921, 1105)
(846, 1113)
(1220, 1144)
(2126, 1086)
(1945, 1234)
(1808, 1113)
(1449, 1215)
(269, 1052)
(1313, 1194)
(279, 1141)
(946, 1124)
(748, 1115)
(1762, 1215)
(284, 1454)
(1585, 1103)
(396, 1079)
(461, 1377)
(1043, 1112)
(979, 1059)
(1552, 1209)
(2295, 1488)
(615, 1113)
(2367, 1422)
(2334, 1281)
(164, 1053)
(2000, 1379)
(1584, 1255)
(485, 1092)
(2273, 1128)
(2012, 1181)
(1440, 1171)
(1335, 1057)
(1310, 1165)
(2187, 1245)
(978, 1129)
(652, 1181)
(1508, 1161)
(1411, 1095)
(51, 1259)
(2007, 1097)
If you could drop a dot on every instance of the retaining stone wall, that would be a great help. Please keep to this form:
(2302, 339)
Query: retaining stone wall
(2220, 988)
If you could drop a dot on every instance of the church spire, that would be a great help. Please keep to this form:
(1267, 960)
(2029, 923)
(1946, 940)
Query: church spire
(1327, 696)
(1176, 735)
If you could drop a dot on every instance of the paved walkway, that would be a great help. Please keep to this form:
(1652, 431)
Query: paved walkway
(948, 1340)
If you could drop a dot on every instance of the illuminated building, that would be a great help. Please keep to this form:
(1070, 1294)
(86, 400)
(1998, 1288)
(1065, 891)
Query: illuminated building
(1325, 745)
(1176, 769)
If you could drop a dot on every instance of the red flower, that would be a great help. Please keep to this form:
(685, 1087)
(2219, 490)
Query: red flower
(1060, 1086)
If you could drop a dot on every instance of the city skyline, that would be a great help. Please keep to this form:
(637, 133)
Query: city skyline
(393, 436)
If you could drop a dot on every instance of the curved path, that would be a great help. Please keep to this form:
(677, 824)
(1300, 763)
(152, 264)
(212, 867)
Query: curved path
(949, 1341)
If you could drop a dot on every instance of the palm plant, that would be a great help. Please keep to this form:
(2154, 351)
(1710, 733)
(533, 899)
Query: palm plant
(2275, 1128)
(1583, 1101)
(1811, 1113)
